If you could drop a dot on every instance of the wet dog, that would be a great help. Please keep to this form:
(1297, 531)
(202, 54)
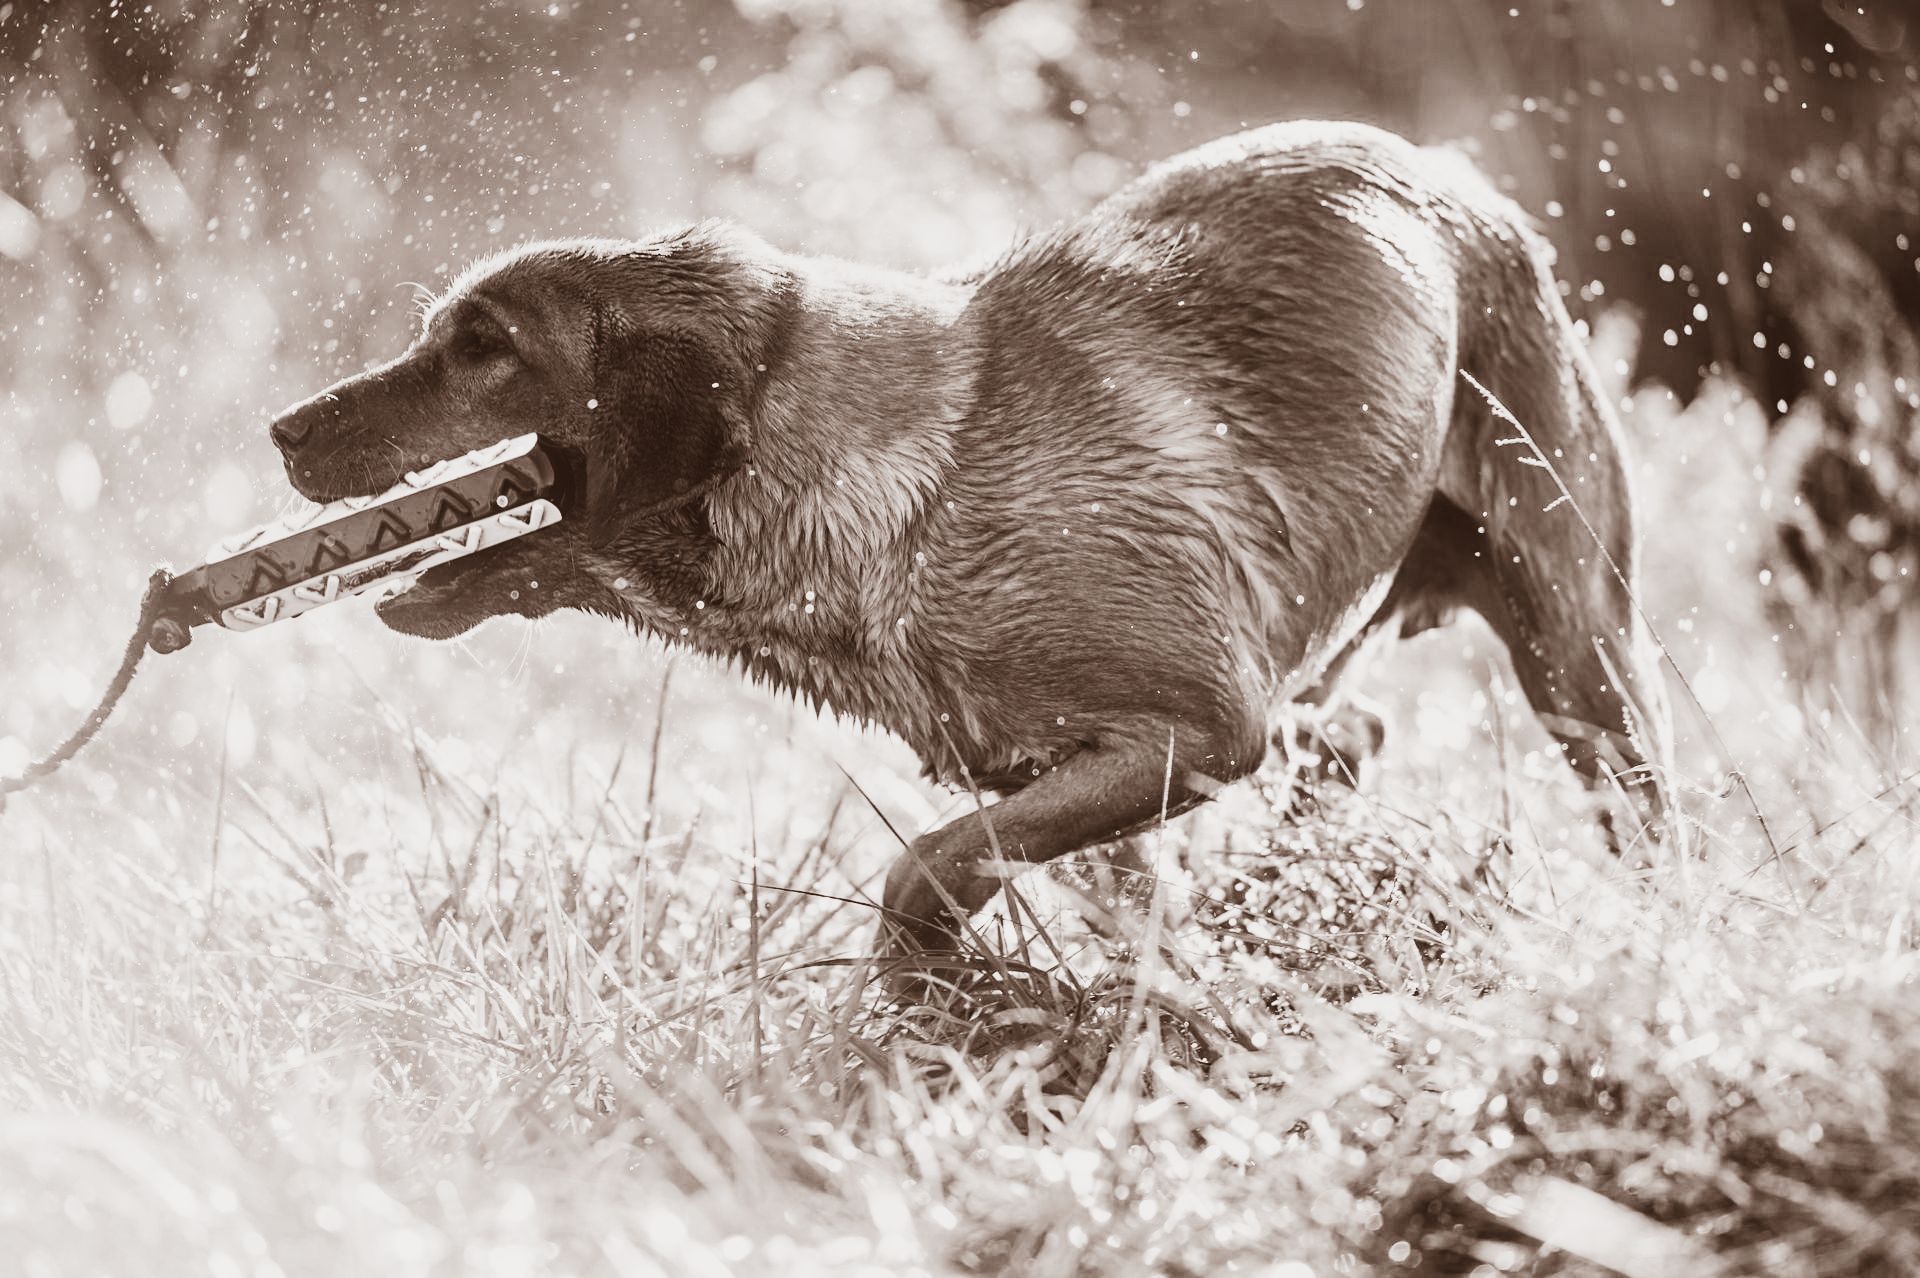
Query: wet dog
(1075, 524)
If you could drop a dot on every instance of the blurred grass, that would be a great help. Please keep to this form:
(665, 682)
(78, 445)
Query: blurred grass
(341, 952)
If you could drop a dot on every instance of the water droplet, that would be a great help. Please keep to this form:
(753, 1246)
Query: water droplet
(129, 400)
(76, 473)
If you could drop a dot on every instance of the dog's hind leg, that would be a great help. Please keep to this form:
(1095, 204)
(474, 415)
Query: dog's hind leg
(1340, 731)
(1544, 525)
(1573, 643)
(1588, 671)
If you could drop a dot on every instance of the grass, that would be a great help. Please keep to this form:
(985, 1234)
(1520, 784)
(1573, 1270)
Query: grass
(512, 1014)
(536, 954)
(337, 952)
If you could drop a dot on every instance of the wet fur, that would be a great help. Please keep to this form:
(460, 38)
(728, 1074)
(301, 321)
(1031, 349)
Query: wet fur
(1073, 524)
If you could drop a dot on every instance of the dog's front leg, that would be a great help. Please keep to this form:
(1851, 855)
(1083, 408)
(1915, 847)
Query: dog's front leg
(1100, 793)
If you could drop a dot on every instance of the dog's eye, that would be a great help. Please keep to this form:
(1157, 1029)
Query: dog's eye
(481, 338)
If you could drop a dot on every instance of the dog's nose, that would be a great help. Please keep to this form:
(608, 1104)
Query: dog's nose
(288, 431)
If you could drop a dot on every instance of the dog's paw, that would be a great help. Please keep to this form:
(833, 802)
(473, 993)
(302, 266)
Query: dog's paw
(1338, 745)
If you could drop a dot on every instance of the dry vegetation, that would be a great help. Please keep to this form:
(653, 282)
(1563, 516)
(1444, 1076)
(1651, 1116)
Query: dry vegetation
(494, 1010)
(342, 954)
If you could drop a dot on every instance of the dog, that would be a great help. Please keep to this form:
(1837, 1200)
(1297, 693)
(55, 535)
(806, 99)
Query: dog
(1072, 525)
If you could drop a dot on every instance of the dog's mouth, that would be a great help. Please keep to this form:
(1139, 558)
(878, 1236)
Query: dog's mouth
(452, 598)
(418, 602)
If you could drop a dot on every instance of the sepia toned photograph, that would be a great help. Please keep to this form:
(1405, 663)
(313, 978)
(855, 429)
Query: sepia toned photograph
(1072, 638)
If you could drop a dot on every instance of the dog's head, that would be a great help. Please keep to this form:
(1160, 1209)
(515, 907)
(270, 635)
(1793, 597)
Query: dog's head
(640, 358)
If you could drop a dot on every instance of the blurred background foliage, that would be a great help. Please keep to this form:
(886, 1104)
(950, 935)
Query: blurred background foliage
(322, 955)
(208, 210)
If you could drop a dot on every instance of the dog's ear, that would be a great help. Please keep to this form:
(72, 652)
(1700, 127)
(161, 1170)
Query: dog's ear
(658, 426)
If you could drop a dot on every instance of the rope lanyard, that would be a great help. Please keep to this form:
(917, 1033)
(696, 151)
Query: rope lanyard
(165, 634)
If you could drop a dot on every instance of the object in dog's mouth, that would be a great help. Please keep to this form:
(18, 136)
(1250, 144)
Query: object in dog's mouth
(379, 545)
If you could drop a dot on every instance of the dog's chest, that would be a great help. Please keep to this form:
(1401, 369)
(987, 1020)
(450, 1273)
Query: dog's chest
(884, 646)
